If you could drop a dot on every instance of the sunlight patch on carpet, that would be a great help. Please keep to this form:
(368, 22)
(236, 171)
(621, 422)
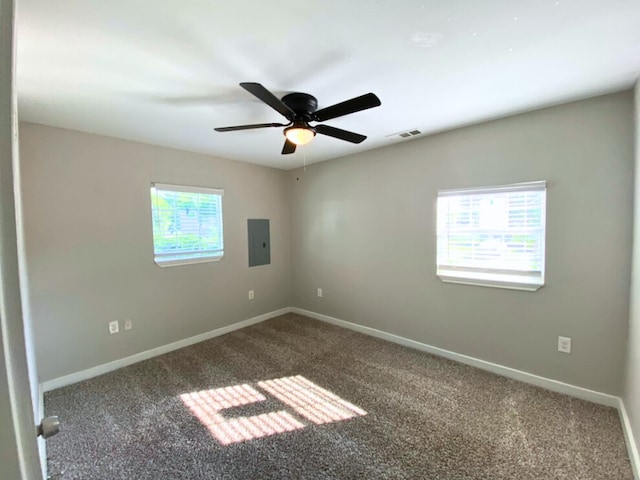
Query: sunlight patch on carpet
(304, 397)
(207, 405)
(311, 401)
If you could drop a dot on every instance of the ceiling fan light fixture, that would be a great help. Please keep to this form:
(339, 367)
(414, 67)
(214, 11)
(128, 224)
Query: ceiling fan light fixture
(299, 134)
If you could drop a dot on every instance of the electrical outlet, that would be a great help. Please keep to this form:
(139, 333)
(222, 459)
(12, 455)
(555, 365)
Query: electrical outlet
(128, 324)
(319, 292)
(114, 327)
(564, 344)
(251, 295)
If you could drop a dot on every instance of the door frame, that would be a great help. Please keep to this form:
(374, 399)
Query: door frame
(18, 440)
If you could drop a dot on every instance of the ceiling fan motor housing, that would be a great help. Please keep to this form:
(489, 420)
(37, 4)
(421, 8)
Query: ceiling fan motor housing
(302, 104)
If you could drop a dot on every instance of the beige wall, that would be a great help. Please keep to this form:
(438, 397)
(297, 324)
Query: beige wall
(89, 251)
(631, 395)
(363, 229)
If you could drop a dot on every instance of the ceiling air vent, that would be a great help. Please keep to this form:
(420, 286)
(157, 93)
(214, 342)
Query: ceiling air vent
(406, 134)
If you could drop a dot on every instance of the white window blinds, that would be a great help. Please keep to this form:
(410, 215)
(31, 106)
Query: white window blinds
(187, 224)
(493, 236)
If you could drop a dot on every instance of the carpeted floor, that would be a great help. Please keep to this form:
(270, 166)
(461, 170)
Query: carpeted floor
(294, 398)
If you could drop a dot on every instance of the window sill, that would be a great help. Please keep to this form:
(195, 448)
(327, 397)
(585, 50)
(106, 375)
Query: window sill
(187, 261)
(495, 280)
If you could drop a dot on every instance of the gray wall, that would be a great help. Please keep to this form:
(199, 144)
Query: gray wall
(632, 380)
(89, 251)
(363, 229)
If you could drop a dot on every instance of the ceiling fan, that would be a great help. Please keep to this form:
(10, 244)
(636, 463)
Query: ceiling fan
(300, 109)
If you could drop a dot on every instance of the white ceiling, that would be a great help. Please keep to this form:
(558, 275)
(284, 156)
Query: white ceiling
(167, 72)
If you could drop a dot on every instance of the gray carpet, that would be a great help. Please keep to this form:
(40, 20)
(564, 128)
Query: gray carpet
(296, 398)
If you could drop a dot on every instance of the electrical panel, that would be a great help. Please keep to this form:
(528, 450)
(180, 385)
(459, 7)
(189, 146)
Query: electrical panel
(259, 242)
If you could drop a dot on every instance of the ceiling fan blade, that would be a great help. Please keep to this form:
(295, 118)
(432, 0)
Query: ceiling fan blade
(248, 127)
(269, 98)
(339, 133)
(363, 102)
(289, 147)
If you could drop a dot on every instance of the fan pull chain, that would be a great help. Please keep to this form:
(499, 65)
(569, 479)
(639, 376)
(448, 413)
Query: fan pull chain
(304, 158)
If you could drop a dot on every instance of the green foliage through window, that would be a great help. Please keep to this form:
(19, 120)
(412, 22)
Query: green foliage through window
(187, 223)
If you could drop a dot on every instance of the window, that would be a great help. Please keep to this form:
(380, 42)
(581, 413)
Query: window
(187, 224)
(493, 236)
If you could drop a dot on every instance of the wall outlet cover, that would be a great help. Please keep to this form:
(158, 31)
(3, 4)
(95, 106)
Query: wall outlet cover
(128, 324)
(114, 327)
(251, 295)
(564, 344)
(319, 292)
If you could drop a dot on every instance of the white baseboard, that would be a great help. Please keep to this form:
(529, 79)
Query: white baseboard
(632, 446)
(548, 383)
(154, 352)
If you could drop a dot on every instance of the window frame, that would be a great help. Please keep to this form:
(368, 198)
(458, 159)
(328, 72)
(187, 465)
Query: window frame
(198, 255)
(528, 280)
